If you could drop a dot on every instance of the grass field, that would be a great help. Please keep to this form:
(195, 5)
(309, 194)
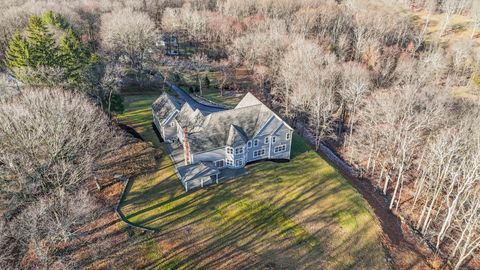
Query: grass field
(138, 115)
(296, 215)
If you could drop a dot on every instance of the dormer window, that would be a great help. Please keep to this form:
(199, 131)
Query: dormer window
(266, 140)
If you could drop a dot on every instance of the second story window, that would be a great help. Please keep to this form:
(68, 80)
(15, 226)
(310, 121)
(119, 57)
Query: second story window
(229, 150)
(274, 139)
(249, 144)
(238, 150)
(266, 139)
(287, 136)
(255, 142)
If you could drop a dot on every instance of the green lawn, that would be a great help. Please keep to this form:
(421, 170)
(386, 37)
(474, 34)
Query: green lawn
(138, 115)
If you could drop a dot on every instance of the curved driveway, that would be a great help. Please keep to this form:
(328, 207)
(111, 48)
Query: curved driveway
(191, 101)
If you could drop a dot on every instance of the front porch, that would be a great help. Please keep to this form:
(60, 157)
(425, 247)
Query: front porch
(201, 174)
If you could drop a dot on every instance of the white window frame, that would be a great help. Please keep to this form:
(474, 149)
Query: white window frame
(229, 150)
(220, 160)
(274, 139)
(267, 140)
(239, 150)
(239, 162)
(259, 153)
(249, 144)
(287, 136)
(280, 148)
(229, 162)
(255, 142)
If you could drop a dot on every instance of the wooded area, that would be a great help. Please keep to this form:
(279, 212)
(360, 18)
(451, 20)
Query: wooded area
(376, 80)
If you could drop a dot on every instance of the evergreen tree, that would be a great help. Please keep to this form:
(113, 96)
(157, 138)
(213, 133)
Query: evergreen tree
(37, 59)
(41, 45)
(17, 54)
(72, 56)
(54, 19)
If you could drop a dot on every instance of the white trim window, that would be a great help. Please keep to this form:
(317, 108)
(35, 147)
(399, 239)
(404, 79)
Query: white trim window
(229, 162)
(267, 139)
(274, 139)
(287, 136)
(255, 142)
(220, 163)
(249, 144)
(239, 162)
(229, 150)
(258, 153)
(239, 150)
(280, 148)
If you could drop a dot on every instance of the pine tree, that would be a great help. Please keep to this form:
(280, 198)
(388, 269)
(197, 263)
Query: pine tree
(72, 56)
(17, 54)
(42, 47)
(54, 19)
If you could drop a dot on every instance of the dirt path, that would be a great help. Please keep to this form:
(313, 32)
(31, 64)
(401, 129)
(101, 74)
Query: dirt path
(404, 250)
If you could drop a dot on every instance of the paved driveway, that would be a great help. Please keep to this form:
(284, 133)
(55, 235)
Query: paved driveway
(193, 102)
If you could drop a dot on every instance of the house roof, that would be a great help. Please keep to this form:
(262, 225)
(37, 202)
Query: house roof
(230, 127)
(248, 100)
(198, 170)
(234, 127)
(164, 106)
(236, 136)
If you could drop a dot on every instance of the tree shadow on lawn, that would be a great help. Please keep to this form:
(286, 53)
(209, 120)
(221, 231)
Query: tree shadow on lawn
(263, 216)
(230, 231)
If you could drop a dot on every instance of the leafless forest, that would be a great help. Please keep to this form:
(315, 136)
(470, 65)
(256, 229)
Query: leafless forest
(361, 76)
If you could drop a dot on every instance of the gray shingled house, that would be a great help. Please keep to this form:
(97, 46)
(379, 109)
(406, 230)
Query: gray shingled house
(214, 141)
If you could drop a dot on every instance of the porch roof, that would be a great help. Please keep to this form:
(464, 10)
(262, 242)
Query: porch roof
(198, 170)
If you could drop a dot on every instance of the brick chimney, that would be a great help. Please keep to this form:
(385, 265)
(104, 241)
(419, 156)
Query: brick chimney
(186, 147)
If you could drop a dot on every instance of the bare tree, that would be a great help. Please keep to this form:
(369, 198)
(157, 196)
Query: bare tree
(130, 36)
(475, 15)
(50, 141)
(354, 87)
(298, 74)
(48, 138)
(449, 8)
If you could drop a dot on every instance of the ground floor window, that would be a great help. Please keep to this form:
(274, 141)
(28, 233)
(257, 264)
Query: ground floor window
(258, 153)
(219, 163)
(229, 162)
(238, 162)
(280, 148)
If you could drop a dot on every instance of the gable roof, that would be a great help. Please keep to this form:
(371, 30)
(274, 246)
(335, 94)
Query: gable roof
(236, 136)
(164, 106)
(248, 100)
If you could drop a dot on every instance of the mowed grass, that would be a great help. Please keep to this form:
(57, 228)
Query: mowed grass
(300, 214)
(138, 115)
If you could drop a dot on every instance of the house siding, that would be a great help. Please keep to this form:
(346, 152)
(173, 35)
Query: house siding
(281, 139)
